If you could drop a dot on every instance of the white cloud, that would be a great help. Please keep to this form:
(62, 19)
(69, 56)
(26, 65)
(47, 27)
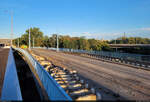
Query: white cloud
(145, 29)
(88, 34)
(138, 32)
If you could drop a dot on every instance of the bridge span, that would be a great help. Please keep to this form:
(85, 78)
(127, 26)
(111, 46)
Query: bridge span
(107, 77)
(129, 45)
(67, 74)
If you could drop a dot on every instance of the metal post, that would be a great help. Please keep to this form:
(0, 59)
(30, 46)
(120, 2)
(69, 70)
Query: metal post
(124, 34)
(29, 39)
(124, 37)
(135, 40)
(11, 27)
(33, 42)
(116, 43)
(18, 42)
(57, 43)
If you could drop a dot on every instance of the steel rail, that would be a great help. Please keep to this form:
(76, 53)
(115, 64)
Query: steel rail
(133, 60)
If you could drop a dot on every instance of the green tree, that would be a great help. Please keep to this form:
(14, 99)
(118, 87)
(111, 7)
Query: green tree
(34, 33)
(46, 41)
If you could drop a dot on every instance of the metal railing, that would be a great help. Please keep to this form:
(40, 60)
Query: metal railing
(119, 55)
(11, 88)
(53, 89)
(134, 60)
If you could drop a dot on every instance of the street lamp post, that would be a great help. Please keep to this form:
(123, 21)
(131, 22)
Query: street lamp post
(11, 27)
(33, 42)
(18, 42)
(29, 39)
(57, 43)
(116, 43)
(11, 34)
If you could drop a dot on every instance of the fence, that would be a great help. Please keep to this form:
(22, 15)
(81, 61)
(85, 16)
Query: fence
(53, 89)
(134, 60)
(122, 56)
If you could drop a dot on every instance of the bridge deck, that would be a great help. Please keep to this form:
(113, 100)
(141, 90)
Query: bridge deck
(3, 63)
(131, 83)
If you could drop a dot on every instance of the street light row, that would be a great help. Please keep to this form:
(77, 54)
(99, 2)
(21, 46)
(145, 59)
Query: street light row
(33, 41)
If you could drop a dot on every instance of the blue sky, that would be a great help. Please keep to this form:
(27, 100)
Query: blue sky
(101, 19)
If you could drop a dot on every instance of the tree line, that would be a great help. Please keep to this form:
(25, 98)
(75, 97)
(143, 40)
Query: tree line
(64, 41)
(74, 42)
(130, 40)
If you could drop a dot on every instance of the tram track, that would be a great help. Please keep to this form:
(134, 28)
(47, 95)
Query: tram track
(72, 84)
(118, 81)
(134, 82)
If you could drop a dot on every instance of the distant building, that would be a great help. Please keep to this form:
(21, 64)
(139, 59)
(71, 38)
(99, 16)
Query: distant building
(6, 42)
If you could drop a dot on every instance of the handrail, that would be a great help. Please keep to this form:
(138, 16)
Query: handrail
(125, 56)
(11, 88)
(53, 89)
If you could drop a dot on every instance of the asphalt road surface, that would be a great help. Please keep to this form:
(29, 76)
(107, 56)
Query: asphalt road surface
(131, 83)
(3, 63)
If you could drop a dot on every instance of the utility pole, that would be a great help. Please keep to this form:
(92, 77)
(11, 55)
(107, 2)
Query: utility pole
(57, 43)
(11, 27)
(18, 42)
(11, 34)
(135, 40)
(116, 43)
(29, 39)
(123, 39)
(124, 34)
(33, 42)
